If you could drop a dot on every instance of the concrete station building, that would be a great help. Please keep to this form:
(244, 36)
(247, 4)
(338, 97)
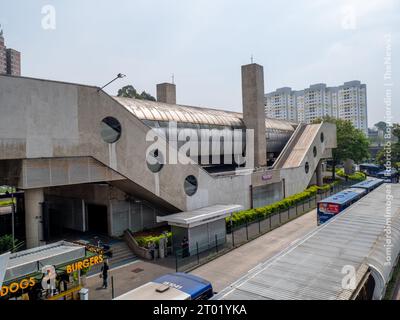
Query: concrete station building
(81, 156)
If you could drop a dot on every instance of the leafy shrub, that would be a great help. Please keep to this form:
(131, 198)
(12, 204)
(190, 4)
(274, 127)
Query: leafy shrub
(357, 176)
(6, 243)
(144, 241)
(241, 217)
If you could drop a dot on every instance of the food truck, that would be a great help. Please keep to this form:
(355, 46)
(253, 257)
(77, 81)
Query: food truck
(51, 272)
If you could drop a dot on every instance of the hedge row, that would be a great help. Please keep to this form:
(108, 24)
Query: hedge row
(241, 217)
(357, 176)
(144, 241)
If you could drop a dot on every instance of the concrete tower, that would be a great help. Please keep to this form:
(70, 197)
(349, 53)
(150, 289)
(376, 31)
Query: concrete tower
(166, 92)
(254, 110)
(3, 59)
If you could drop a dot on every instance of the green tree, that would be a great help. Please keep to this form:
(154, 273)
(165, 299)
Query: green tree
(6, 243)
(382, 156)
(146, 96)
(129, 91)
(351, 142)
(381, 125)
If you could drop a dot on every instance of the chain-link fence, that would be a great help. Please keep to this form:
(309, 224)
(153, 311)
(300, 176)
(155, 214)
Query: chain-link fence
(186, 259)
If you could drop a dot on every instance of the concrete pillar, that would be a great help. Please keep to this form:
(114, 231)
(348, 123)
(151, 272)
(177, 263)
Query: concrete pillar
(254, 109)
(348, 166)
(33, 217)
(166, 92)
(319, 175)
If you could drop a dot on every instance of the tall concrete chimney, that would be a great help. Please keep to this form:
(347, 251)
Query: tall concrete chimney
(254, 110)
(166, 92)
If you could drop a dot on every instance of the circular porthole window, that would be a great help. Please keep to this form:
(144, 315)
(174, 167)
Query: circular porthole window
(190, 185)
(155, 161)
(110, 129)
(322, 137)
(315, 151)
(307, 167)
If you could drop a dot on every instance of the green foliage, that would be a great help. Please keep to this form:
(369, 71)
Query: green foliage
(130, 92)
(4, 189)
(7, 202)
(6, 244)
(255, 214)
(394, 154)
(146, 96)
(381, 125)
(351, 142)
(144, 241)
(357, 176)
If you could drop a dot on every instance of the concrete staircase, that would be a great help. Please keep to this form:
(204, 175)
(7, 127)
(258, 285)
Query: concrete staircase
(122, 254)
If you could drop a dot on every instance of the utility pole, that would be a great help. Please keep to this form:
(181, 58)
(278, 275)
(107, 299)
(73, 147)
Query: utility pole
(12, 220)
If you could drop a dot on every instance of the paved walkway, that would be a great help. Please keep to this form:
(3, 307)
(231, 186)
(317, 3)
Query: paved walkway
(221, 272)
(228, 268)
(128, 277)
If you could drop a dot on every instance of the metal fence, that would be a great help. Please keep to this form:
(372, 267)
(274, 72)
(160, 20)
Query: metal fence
(238, 235)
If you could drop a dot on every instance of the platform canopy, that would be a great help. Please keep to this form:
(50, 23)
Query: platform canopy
(190, 219)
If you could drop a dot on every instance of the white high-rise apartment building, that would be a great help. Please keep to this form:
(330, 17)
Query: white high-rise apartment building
(347, 102)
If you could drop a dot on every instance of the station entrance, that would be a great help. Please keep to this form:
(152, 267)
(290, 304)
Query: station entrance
(97, 219)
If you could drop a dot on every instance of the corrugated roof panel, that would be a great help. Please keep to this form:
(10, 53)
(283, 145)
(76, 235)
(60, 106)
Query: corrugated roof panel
(189, 114)
(312, 268)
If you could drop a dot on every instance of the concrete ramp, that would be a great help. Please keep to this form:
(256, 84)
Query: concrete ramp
(284, 155)
(302, 145)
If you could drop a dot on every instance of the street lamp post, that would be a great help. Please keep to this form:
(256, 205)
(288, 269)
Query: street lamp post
(119, 76)
(12, 220)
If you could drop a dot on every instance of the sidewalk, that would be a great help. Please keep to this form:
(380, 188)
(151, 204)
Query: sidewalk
(228, 268)
(128, 277)
(221, 272)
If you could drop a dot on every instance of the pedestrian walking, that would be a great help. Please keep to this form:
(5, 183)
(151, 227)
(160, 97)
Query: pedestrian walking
(152, 248)
(104, 274)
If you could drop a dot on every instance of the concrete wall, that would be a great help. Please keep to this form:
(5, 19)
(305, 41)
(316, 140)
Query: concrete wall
(123, 212)
(166, 92)
(254, 110)
(47, 119)
(296, 178)
(267, 194)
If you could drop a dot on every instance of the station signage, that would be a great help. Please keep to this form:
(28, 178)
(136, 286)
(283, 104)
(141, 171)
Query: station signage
(266, 177)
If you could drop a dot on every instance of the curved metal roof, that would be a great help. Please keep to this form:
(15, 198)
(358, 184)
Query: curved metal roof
(158, 111)
(313, 268)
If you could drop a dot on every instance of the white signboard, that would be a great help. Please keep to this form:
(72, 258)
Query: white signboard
(3, 266)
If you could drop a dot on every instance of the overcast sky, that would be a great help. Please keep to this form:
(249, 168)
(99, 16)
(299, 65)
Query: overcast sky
(205, 42)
